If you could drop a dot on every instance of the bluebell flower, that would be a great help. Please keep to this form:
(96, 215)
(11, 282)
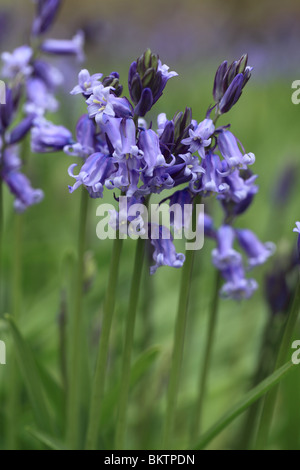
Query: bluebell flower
(39, 98)
(211, 180)
(50, 75)
(96, 169)
(228, 146)
(17, 63)
(225, 255)
(73, 47)
(86, 83)
(18, 183)
(209, 229)
(193, 169)
(102, 104)
(45, 16)
(164, 250)
(152, 156)
(125, 144)
(256, 251)
(237, 286)
(238, 189)
(86, 139)
(47, 137)
(200, 138)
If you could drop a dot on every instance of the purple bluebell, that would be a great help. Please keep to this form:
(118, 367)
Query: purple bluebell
(86, 83)
(45, 16)
(102, 104)
(211, 180)
(237, 286)
(96, 169)
(193, 169)
(256, 251)
(39, 98)
(73, 47)
(225, 255)
(125, 144)
(200, 138)
(86, 138)
(48, 73)
(152, 156)
(47, 137)
(18, 183)
(229, 149)
(237, 188)
(164, 250)
(17, 63)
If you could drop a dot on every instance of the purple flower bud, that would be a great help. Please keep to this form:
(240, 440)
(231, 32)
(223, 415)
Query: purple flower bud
(72, 47)
(148, 72)
(46, 13)
(218, 91)
(145, 103)
(256, 251)
(46, 137)
(229, 82)
(21, 129)
(232, 94)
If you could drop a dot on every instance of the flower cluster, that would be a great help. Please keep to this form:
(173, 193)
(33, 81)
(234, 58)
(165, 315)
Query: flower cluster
(121, 151)
(31, 83)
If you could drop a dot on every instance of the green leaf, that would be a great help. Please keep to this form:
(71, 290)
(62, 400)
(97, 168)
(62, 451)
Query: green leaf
(238, 409)
(47, 440)
(139, 368)
(31, 376)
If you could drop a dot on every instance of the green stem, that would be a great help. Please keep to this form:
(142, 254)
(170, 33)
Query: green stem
(270, 399)
(127, 352)
(250, 398)
(73, 405)
(180, 327)
(211, 330)
(16, 302)
(99, 378)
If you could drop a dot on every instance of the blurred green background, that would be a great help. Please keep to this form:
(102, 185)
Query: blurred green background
(192, 37)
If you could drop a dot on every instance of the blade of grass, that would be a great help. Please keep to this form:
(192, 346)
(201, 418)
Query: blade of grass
(31, 377)
(240, 407)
